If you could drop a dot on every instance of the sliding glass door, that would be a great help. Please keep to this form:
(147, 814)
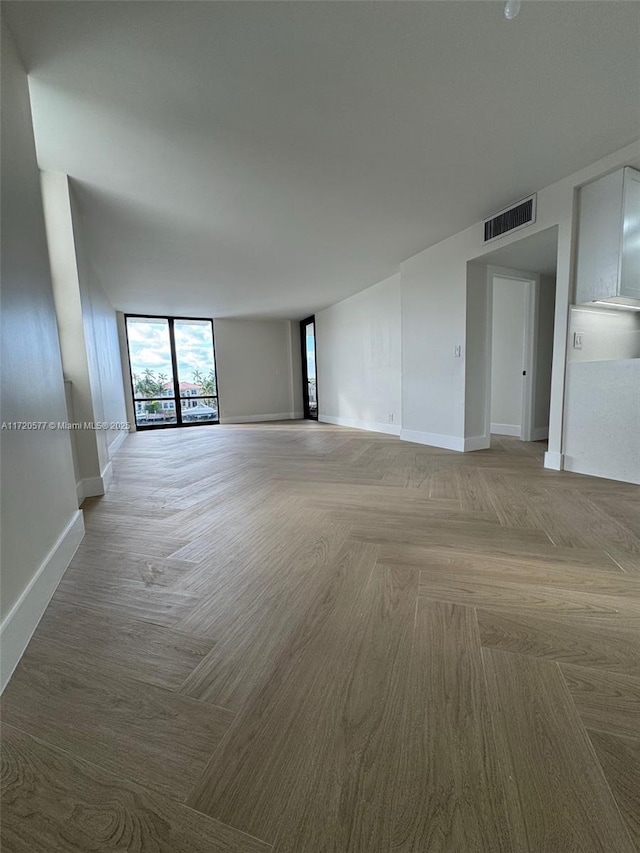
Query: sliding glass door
(173, 371)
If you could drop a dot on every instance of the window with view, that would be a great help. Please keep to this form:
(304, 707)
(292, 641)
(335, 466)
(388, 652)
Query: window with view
(173, 371)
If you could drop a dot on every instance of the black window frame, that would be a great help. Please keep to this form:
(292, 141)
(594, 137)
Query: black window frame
(174, 373)
(305, 376)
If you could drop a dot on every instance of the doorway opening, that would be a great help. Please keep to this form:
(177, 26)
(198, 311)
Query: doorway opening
(309, 373)
(511, 314)
(173, 371)
(521, 343)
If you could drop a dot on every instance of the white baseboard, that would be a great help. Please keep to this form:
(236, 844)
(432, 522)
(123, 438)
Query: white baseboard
(354, 423)
(256, 419)
(106, 475)
(117, 442)
(22, 620)
(540, 433)
(507, 429)
(447, 442)
(553, 460)
(90, 487)
(477, 442)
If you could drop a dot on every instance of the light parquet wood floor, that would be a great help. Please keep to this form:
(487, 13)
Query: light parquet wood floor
(309, 639)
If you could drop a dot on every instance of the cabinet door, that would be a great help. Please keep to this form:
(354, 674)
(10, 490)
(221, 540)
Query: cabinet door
(599, 229)
(630, 262)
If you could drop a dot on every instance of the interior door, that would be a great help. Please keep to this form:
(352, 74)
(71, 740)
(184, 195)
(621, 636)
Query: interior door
(511, 357)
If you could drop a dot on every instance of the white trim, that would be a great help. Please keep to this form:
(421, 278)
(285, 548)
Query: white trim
(530, 357)
(507, 429)
(553, 460)
(488, 351)
(447, 442)
(477, 442)
(118, 440)
(354, 423)
(540, 433)
(293, 325)
(22, 620)
(251, 419)
(297, 416)
(125, 365)
(106, 475)
(91, 487)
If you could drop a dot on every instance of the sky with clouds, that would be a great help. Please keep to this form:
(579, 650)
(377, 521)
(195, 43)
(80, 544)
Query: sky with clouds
(311, 352)
(149, 346)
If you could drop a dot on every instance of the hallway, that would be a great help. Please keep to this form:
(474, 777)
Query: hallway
(302, 638)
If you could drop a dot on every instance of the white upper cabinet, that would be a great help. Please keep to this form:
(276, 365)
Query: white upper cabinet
(608, 259)
(630, 260)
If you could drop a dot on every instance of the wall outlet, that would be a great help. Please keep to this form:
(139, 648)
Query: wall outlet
(577, 340)
(457, 351)
(390, 417)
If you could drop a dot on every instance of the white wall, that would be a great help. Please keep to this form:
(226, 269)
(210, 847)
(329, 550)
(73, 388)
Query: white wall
(476, 353)
(103, 347)
(255, 374)
(433, 323)
(41, 524)
(101, 316)
(603, 418)
(358, 350)
(602, 434)
(88, 338)
(435, 318)
(71, 330)
(510, 303)
(295, 349)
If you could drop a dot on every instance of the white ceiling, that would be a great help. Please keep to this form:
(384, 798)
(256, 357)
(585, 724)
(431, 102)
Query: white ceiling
(240, 158)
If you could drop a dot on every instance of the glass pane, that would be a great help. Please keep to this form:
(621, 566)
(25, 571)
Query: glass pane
(310, 346)
(199, 411)
(150, 357)
(155, 412)
(194, 354)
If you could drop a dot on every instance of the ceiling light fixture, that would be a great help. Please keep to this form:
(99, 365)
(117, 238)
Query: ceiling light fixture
(511, 9)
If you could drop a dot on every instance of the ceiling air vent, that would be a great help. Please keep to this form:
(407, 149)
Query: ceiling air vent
(512, 218)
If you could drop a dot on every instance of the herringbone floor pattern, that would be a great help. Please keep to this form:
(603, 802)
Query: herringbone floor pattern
(309, 639)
